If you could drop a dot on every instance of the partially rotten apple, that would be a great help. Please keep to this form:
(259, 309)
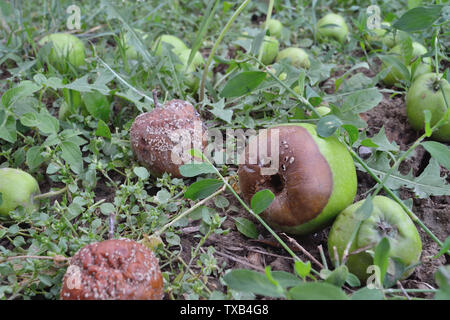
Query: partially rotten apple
(161, 138)
(117, 269)
(387, 219)
(17, 188)
(312, 178)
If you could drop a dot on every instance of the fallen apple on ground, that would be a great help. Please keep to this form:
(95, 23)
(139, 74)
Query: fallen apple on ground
(314, 181)
(426, 94)
(387, 219)
(18, 189)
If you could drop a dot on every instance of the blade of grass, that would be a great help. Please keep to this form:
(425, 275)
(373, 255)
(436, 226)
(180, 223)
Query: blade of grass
(207, 17)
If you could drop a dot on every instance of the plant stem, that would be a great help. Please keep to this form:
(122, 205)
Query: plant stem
(198, 204)
(50, 194)
(216, 45)
(268, 16)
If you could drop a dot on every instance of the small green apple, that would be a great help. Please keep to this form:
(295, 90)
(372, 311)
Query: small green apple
(312, 178)
(66, 48)
(425, 94)
(177, 43)
(332, 26)
(275, 27)
(395, 75)
(297, 57)
(18, 189)
(270, 50)
(387, 219)
(130, 50)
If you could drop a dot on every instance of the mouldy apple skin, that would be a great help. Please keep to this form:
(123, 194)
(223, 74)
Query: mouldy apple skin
(18, 189)
(387, 219)
(425, 94)
(155, 134)
(116, 269)
(66, 48)
(332, 26)
(316, 179)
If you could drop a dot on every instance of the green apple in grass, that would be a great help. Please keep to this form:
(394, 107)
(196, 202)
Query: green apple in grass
(66, 49)
(387, 219)
(275, 28)
(332, 26)
(296, 56)
(395, 75)
(17, 188)
(426, 94)
(313, 180)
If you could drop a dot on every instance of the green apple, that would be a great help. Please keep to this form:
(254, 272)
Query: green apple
(387, 219)
(66, 48)
(270, 50)
(196, 64)
(313, 180)
(395, 75)
(297, 57)
(177, 44)
(425, 94)
(275, 27)
(332, 26)
(18, 189)
(130, 50)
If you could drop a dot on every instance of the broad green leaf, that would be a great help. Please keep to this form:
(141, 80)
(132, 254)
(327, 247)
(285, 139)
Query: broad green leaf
(23, 89)
(47, 123)
(418, 19)
(362, 100)
(195, 169)
(261, 200)
(243, 83)
(383, 143)
(103, 130)
(251, 281)
(286, 279)
(352, 131)
(246, 227)
(381, 257)
(328, 125)
(141, 172)
(353, 280)
(72, 155)
(202, 189)
(438, 151)
(338, 276)
(302, 269)
(316, 291)
(368, 294)
(34, 158)
(442, 277)
(97, 105)
(221, 113)
(395, 63)
(428, 183)
(107, 208)
(8, 129)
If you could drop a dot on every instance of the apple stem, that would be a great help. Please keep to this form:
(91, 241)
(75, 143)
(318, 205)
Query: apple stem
(50, 194)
